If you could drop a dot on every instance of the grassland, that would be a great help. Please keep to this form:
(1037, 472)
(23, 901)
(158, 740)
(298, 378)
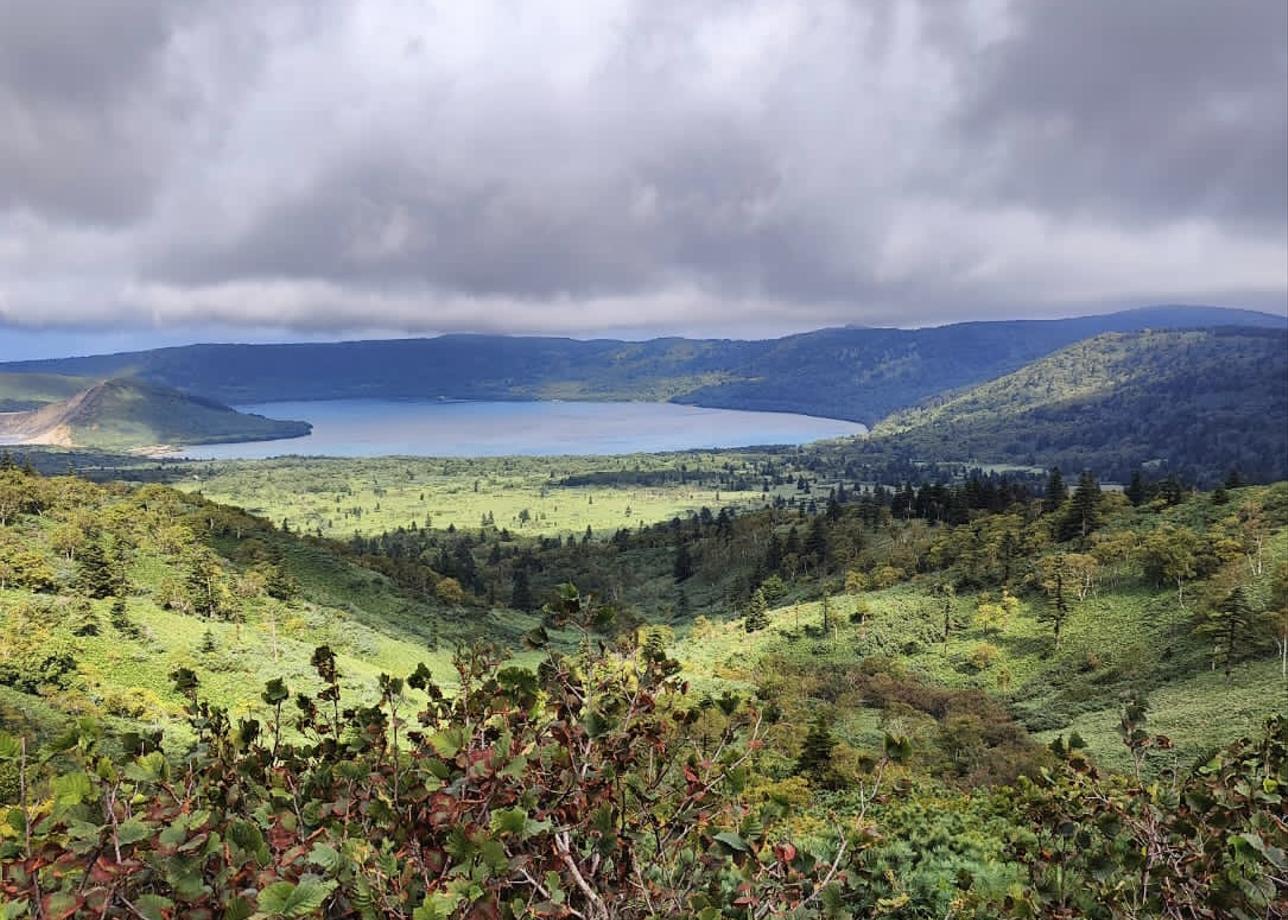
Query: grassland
(527, 495)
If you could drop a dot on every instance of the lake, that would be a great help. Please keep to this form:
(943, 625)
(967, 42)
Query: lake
(433, 428)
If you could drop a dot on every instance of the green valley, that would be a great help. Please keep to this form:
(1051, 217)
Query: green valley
(918, 662)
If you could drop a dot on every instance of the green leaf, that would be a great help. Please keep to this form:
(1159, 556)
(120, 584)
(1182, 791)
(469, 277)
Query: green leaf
(72, 788)
(732, 841)
(437, 906)
(250, 839)
(326, 858)
(282, 899)
(133, 830)
(10, 748)
(153, 906)
(238, 908)
(509, 820)
(447, 742)
(148, 769)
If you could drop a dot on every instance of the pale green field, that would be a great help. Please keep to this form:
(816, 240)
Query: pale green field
(340, 497)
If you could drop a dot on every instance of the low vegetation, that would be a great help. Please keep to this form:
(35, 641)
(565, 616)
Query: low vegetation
(999, 697)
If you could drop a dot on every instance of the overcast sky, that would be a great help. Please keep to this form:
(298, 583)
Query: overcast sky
(244, 169)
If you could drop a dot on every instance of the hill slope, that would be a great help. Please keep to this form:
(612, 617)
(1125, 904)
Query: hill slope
(24, 392)
(1198, 402)
(134, 414)
(851, 373)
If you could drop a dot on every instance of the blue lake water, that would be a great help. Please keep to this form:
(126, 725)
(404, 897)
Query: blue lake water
(431, 428)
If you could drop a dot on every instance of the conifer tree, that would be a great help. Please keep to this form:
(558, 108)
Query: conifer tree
(815, 759)
(1054, 579)
(757, 616)
(683, 568)
(947, 595)
(828, 620)
(773, 555)
(521, 591)
(1135, 491)
(1056, 491)
(1083, 515)
(1232, 624)
(97, 576)
(816, 543)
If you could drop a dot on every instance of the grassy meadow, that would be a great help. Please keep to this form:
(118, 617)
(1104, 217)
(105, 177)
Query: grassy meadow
(339, 497)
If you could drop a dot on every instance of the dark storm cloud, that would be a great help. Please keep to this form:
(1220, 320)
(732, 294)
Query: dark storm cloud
(566, 167)
(87, 109)
(1140, 111)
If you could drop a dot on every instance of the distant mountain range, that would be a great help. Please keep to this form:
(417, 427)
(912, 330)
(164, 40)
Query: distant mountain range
(851, 373)
(1193, 390)
(133, 414)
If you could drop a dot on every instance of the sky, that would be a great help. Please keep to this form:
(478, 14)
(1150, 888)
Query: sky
(309, 169)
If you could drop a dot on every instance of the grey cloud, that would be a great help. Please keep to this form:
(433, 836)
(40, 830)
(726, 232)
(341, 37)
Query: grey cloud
(82, 110)
(583, 168)
(1139, 110)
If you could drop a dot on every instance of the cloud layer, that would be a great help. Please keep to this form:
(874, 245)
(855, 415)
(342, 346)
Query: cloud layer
(334, 165)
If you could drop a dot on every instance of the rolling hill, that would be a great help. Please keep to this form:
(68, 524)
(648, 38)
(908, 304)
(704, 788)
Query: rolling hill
(859, 374)
(23, 392)
(123, 413)
(1195, 403)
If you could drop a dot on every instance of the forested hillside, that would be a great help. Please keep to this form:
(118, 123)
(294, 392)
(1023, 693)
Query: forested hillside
(850, 373)
(1194, 404)
(945, 701)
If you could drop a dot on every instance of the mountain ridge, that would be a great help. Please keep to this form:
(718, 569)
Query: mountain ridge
(1190, 400)
(860, 374)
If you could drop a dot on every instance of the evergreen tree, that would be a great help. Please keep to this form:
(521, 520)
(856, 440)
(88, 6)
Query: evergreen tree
(947, 595)
(815, 759)
(205, 583)
(773, 555)
(97, 574)
(521, 591)
(1056, 491)
(683, 567)
(83, 621)
(280, 584)
(816, 543)
(1232, 625)
(1054, 579)
(757, 616)
(793, 545)
(1083, 515)
(119, 617)
(1135, 491)
(207, 644)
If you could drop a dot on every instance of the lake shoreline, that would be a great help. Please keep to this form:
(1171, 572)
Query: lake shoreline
(433, 427)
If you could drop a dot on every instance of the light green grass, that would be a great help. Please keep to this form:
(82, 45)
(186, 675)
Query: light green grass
(340, 497)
